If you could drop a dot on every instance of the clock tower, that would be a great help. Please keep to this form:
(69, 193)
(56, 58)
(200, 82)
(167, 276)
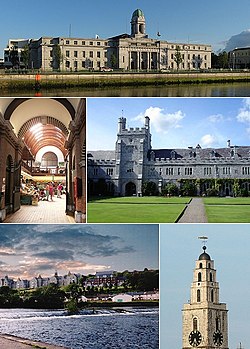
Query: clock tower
(204, 317)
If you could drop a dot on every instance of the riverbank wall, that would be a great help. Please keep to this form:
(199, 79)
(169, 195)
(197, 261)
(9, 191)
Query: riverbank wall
(13, 342)
(101, 80)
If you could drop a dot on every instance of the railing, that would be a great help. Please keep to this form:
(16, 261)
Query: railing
(41, 171)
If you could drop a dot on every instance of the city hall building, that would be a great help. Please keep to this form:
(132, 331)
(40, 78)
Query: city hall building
(123, 171)
(134, 51)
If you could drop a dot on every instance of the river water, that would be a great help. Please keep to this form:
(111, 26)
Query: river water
(112, 328)
(195, 90)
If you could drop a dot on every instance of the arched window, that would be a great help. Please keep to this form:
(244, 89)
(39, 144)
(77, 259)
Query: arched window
(212, 295)
(195, 324)
(200, 265)
(49, 159)
(211, 277)
(198, 295)
(199, 277)
(209, 266)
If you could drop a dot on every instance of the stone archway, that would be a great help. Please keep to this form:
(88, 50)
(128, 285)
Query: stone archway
(130, 189)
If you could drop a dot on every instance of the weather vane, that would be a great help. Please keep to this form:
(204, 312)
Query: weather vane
(204, 239)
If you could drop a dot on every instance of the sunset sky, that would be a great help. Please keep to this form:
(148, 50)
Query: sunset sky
(29, 250)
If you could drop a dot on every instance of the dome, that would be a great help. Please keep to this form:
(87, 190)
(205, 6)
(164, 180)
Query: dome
(138, 13)
(204, 255)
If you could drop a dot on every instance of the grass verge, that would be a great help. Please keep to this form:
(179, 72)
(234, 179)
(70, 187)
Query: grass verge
(227, 210)
(135, 210)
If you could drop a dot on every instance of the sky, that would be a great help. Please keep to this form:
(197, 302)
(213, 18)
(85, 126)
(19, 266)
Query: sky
(181, 21)
(29, 250)
(175, 122)
(228, 246)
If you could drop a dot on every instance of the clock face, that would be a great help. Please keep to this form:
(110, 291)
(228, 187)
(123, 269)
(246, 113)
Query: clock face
(218, 338)
(195, 338)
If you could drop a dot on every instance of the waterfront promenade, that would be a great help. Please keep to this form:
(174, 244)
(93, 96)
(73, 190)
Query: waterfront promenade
(12, 342)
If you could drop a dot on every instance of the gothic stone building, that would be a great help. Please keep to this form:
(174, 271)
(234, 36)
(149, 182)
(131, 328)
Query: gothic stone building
(205, 322)
(133, 162)
(135, 51)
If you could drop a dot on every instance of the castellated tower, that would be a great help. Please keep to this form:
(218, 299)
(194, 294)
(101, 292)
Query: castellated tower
(205, 318)
(132, 147)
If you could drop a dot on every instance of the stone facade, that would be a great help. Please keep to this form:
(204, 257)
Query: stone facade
(205, 318)
(239, 58)
(125, 52)
(134, 161)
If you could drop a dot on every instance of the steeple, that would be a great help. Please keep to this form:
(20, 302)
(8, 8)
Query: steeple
(205, 318)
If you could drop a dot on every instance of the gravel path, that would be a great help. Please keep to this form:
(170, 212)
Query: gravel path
(12, 342)
(195, 212)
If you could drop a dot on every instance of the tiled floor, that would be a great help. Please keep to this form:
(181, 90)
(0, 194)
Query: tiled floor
(45, 212)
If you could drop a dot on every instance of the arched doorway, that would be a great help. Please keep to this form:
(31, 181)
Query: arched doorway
(8, 184)
(130, 189)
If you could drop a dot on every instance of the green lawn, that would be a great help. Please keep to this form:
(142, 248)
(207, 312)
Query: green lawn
(227, 210)
(135, 210)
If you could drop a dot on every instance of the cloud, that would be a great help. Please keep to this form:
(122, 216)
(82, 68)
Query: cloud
(216, 118)
(58, 247)
(7, 252)
(208, 141)
(56, 254)
(244, 112)
(160, 120)
(239, 40)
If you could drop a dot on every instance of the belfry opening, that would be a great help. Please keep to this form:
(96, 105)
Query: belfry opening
(42, 160)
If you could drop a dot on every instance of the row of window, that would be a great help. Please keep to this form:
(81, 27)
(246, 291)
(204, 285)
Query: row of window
(217, 324)
(84, 64)
(85, 54)
(199, 296)
(207, 171)
(189, 56)
(194, 65)
(246, 170)
(210, 277)
(84, 43)
(169, 171)
(186, 47)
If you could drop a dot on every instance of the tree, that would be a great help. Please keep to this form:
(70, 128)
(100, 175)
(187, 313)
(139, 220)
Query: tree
(113, 60)
(25, 56)
(188, 188)
(223, 60)
(149, 189)
(57, 57)
(177, 56)
(14, 57)
(170, 189)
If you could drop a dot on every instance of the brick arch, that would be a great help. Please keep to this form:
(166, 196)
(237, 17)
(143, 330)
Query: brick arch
(43, 120)
(18, 101)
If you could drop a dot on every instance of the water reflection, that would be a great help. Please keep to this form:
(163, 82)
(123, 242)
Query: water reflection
(196, 90)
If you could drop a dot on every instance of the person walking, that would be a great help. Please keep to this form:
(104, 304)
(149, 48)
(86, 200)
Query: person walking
(59, 190)
(51, 191)
(47, 191)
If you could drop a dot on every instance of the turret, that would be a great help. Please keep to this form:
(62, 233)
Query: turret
(121, 124)
(147, 122)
